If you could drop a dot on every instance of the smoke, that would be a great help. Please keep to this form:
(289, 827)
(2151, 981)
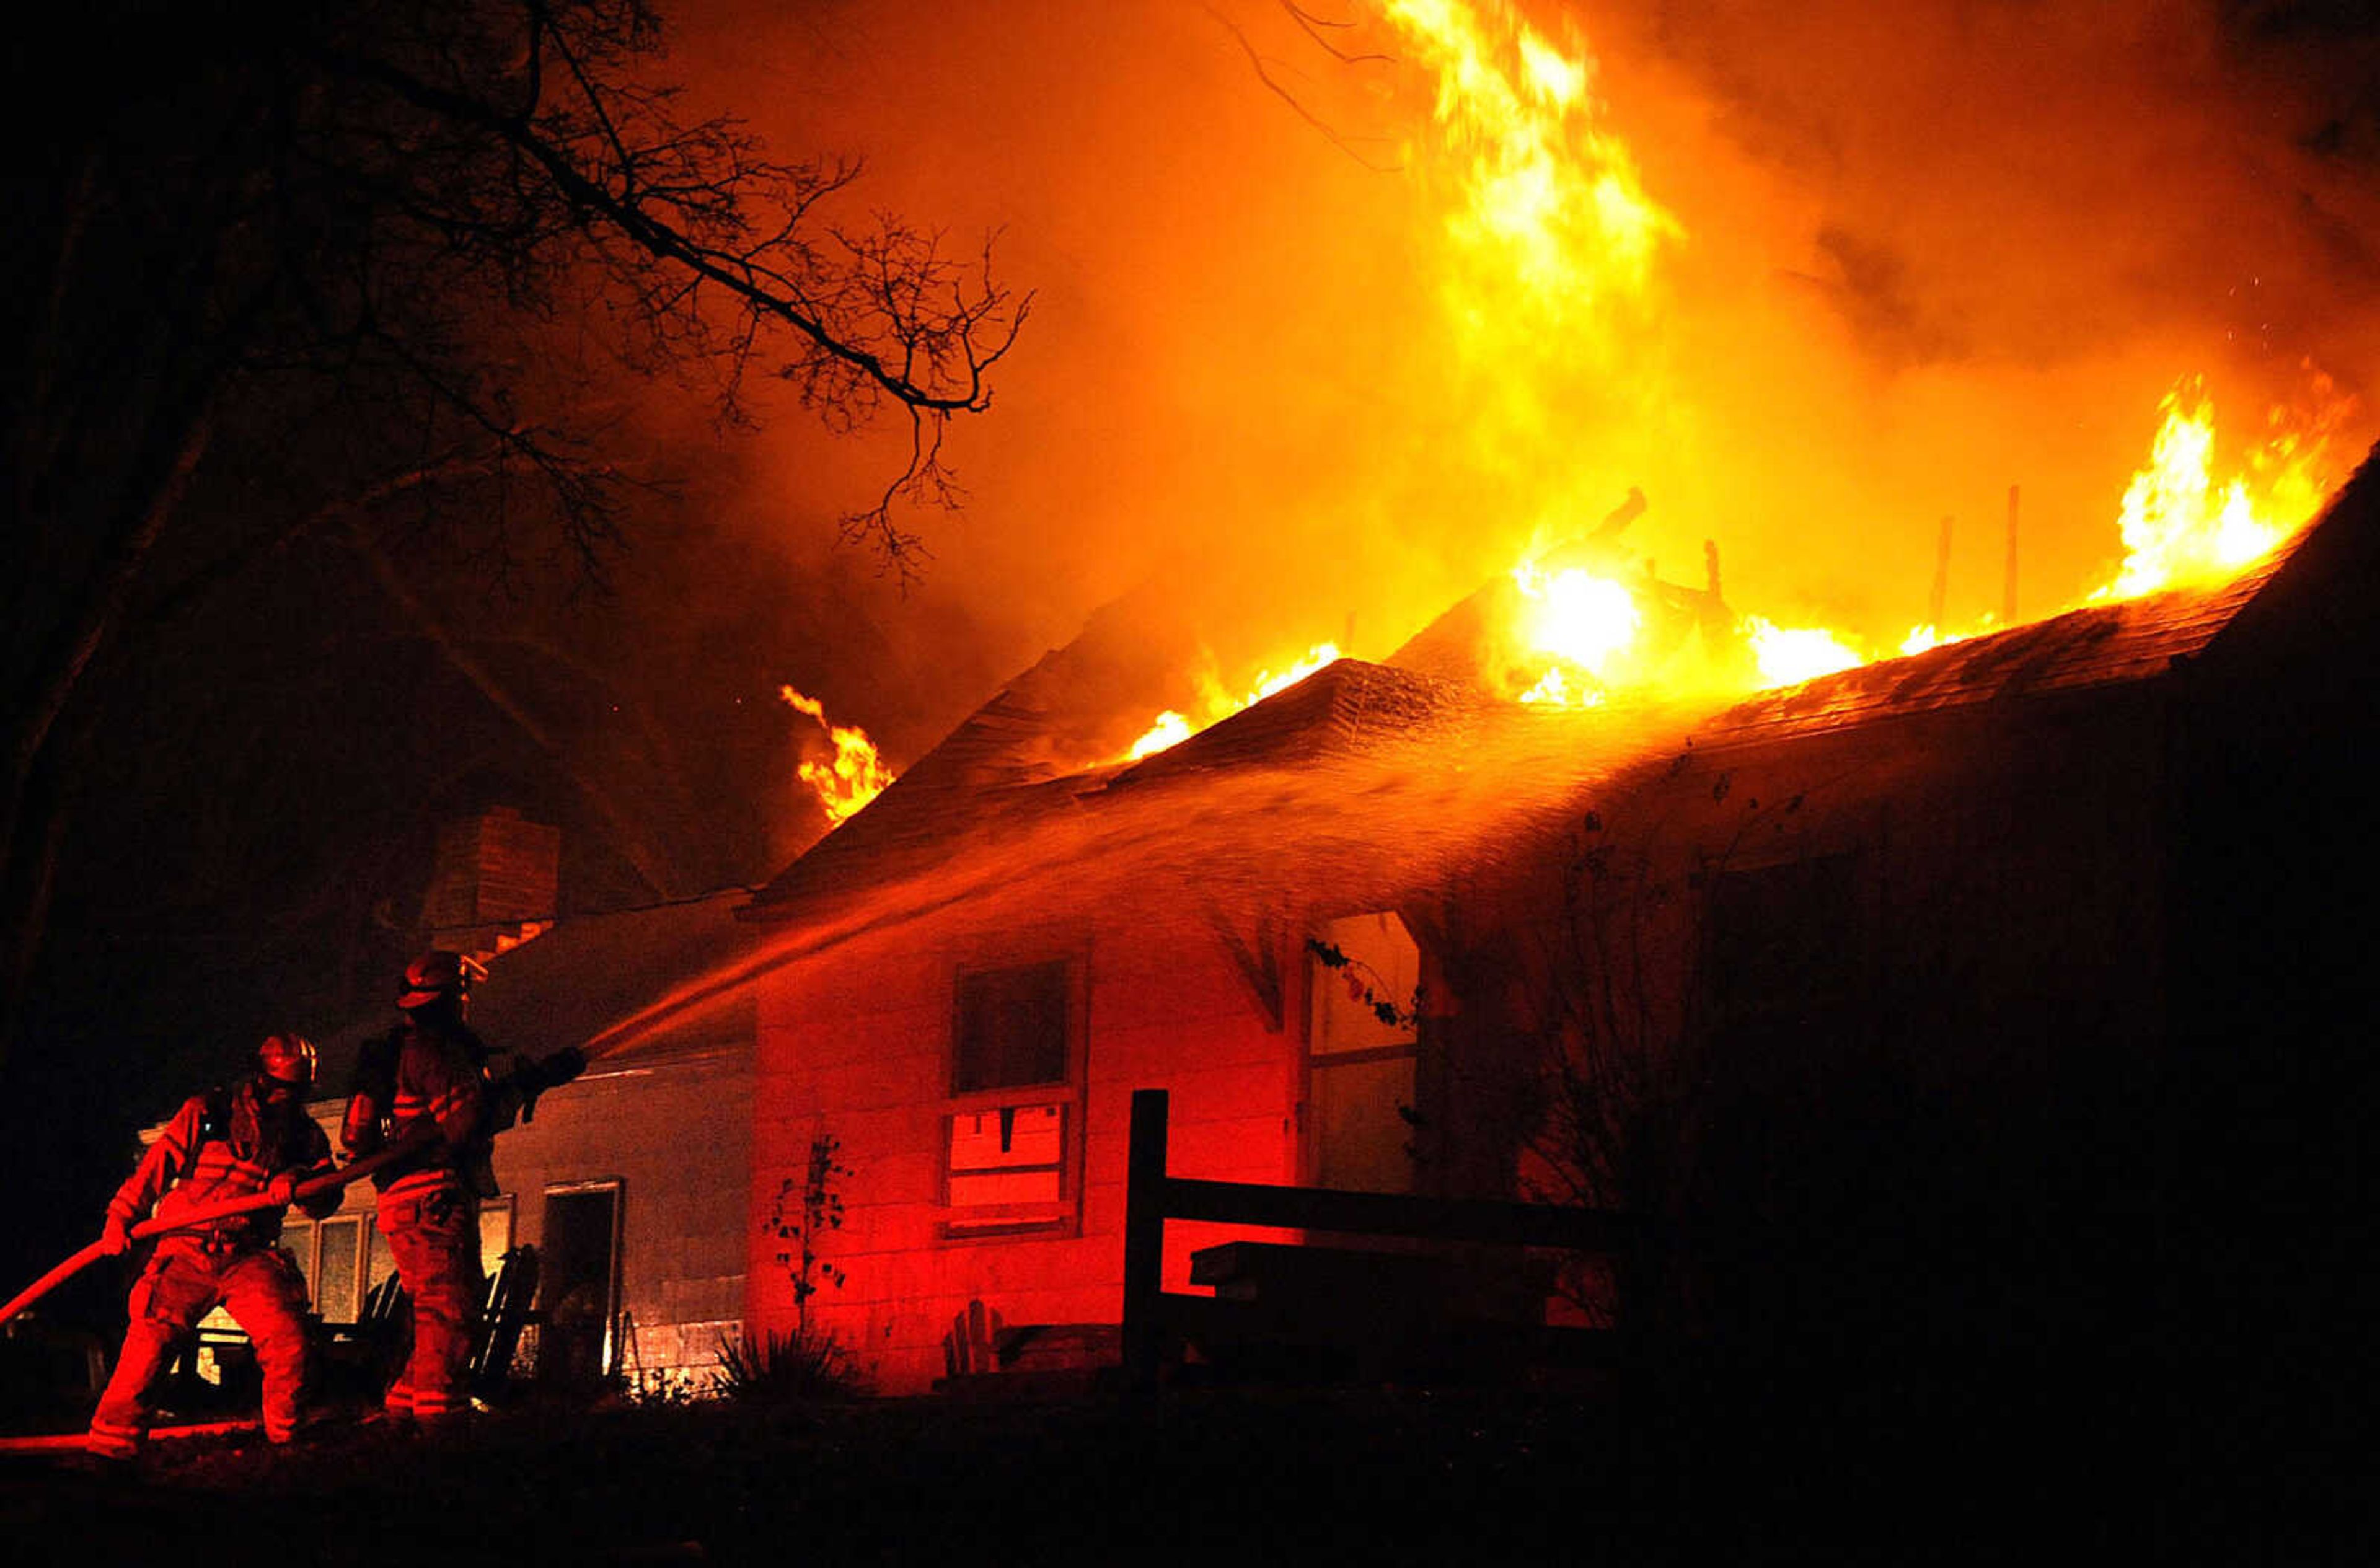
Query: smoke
(1927, 252)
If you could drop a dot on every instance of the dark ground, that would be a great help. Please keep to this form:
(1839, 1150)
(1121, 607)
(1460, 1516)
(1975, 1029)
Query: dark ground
(1224, 1476)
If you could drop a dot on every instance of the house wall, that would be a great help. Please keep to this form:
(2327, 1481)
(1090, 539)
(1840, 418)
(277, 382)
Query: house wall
(675, 1132)
(1955, 1125)
(1962, 1132)
(2278, 1010)
(673, 1128)
(857, 1043)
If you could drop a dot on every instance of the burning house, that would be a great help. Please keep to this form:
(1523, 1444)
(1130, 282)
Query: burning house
(1999, 994)
(1993, 992)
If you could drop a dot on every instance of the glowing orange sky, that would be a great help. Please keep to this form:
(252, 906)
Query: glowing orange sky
(1928, 254)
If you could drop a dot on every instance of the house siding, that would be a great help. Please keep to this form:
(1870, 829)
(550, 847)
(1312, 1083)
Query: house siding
(1962, 1131)
(673, 1129)
(856, 1043)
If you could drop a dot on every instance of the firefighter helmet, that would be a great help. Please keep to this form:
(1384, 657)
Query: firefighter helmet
(436, 975)
(288, 1059)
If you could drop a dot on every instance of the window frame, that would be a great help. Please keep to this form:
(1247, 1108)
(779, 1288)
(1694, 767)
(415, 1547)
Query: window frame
(1315, 1063)
(352, 1309)
(1058, 1218)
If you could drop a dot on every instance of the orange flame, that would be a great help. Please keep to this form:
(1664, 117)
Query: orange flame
(857, 774)
(1549, 197)
(2179, 527)
(1216, 702)
(1787, 656)
(1587, 620)
(1170, 730)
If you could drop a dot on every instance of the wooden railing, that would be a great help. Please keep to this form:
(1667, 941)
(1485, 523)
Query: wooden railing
(1153, 1197)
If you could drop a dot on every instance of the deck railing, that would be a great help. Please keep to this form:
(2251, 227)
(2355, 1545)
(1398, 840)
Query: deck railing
(1153, 1197)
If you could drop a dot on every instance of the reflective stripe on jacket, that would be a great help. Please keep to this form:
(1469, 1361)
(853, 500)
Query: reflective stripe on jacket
(191, 1166)
(440, 1078)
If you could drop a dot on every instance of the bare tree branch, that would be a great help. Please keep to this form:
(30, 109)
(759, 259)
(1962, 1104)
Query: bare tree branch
(1313, 26)
(1264, 74)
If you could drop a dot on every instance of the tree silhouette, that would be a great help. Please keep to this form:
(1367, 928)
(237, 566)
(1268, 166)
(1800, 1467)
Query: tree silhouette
(367, 262)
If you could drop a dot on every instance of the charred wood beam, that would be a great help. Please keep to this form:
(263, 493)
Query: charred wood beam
(1616, 521)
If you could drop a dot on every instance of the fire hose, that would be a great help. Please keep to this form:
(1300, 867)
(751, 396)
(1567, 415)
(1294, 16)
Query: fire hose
(203, 1215)
(529, 1081)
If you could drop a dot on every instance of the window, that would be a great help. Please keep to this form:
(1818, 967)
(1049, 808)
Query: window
(379, 1261)
(495, 1231)
(1011, 1029)
(337, 1280)
(298, 1240)
(1015, 1154)
(1010, 1157)
(328, 1253)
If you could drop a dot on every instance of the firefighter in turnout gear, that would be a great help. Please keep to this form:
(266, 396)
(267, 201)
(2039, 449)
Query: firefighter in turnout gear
(425, 1085)
(227, 1143)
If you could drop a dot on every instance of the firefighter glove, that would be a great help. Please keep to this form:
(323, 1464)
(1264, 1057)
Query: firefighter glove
(282, 1189)
(116, 1238)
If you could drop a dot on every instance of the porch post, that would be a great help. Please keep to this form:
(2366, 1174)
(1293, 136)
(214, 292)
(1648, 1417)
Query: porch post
(1144, 1237)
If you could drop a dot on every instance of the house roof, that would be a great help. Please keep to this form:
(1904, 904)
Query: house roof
(994, 777)
(975, 794)
(2102, 645)
(997, 805)
(1339, 709)
(567, 986)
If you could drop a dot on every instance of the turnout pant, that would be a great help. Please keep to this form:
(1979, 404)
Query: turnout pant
(433, 1233)
(260, 1286)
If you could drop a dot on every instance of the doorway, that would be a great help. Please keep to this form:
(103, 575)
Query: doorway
(579, 1282)
(1361, 1043)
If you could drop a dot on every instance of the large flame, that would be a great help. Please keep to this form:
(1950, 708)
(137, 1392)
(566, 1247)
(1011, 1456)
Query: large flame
(1580, 633)
(1587, 620)
(1550, 245)
(1789, 655)
(1551, 226)
(854, 777)
(1217, 701)
(2180, 525)
(1550, 199)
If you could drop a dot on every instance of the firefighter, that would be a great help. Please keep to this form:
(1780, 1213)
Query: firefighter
(425, 1086)
(225, 1144)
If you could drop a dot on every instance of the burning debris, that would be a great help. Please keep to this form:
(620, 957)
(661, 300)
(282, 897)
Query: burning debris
(2179, 526)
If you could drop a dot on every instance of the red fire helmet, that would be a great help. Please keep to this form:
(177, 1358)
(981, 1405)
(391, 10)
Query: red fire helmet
(434, 975)
(288, 1059)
